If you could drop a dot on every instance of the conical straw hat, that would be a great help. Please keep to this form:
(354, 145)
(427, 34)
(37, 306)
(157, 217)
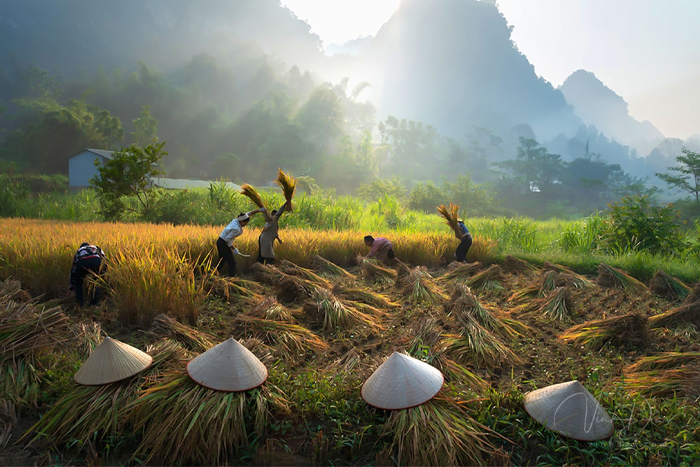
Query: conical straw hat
(570, 410)
(402, 382)
(112, 361)
(228, 367)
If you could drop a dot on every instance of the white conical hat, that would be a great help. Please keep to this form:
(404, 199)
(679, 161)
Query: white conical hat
(228, 367)
(570, 410)
(402, 382)
(112, 361)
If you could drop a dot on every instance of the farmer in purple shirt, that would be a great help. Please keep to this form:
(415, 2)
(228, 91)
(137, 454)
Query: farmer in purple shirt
(380, 248)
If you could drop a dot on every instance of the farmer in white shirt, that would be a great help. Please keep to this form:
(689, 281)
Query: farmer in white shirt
(225, 242)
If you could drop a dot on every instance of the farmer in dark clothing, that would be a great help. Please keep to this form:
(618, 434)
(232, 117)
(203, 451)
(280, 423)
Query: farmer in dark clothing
(87, 260)
(270, 233)
(224, 244)
(464, 244)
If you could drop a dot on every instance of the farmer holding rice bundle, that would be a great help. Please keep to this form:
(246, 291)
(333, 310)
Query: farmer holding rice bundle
(225, 242)
(87, 260)
(266, 252)
(380, 248)
(465, 243)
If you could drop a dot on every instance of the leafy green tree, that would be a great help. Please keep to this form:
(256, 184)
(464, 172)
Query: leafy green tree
(689, 174)
(128, 174)
(388, 187)
(145, 128)
(225, 167)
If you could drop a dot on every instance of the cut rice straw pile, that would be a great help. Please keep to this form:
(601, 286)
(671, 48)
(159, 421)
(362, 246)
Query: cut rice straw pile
(478, 346)
(451, 215)
(288, 185)
(191, 338)
(183, 422)
(517, 266)
(627, 330)
(683, 381)
(686, 314)
(366, 296)
(337, 314)
(664, 361)
(371, 271)
(292, 269)
(270, 308)
(557, 305)
(252, 194)
(488, 279)
(418, 286)
(439, 432)
(292, 289)
(611, 277)
(326, 268)
(288, 338)
(460, 273)
(464, 306)
(24, 328)
(566, 276)
(694, 295)
(86, 338)
(665, 285)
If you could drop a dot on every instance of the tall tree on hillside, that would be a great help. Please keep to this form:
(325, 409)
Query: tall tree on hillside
(145, 128)
(689, 174)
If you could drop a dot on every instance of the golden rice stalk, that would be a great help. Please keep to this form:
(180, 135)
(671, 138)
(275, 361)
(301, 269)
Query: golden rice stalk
(451, 215)
(525, 294)
(289, 338)
(288, 185)
(336, 314)
(326, 268)
(517, 266)
(476, 345)
(664, 361)
(230, 288)
(683, 381)
(183, 422)
(439, 432)
(371, 271)
(265, 274)
(252, 194)
(565, 276)
(665, 285)
(191, 338)
(292, 289)
(628, 330)
(91, 413)
(465, 307)
(292, 269)
(488, 279)
(366, 296)
(24, 328)
(270, 308)
(611, 277)
(86, 337)
(419, 287)
(685, 314)
(460, 273)
(557, 305)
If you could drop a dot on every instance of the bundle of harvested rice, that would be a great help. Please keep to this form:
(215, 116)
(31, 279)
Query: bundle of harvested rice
(326, 268)
(439, 432)
(417, 284)
(371, 271)
(183, 422)
(366, 296)
(20, 382)
(525, 294)
(270, 308)
(460, 273)
(686, 314)
(627, 330)
(259, 349)
(92, 413)
(478, 346)
(335, 314)
(292, 269)
(611, 277)
(566, 276)
(549, 283)
(517, 266)
(265, 274)
(489, 279)
(557, 305)
(24, 328)
(288, 339)
(252, 194)
(665, 285)
(293, 289)
(549, 266)
(683, 381)
(86, 337)
(464, 306)
(288, 185)
(191, 338)
(694, 295)
(451, 215)
(349, 361)
(664, 361)
(230, 288)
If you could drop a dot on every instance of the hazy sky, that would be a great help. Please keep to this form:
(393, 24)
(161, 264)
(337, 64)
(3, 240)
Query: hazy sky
(648, 51)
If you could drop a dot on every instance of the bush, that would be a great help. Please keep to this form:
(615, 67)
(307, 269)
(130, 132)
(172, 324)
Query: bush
(635, 224)
(13, 194)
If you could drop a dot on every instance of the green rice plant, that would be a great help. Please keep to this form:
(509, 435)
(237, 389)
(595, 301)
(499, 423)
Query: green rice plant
(335, 314)
(326, 268)
(183, 422)
(92, 413)
(289, 339)
(86, 337)
(418, 286)
(189, 337)
(488, 280)
(292, 269)
(665, 285)
(664, 361)
(439, 432)
(557, 305)
(476, 345)
(460, 273)
(609, 276)
(628, 330)
(686, 314)
(371, 271)
(366, 296)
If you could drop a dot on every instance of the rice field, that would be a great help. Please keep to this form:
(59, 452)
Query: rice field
(322, 322)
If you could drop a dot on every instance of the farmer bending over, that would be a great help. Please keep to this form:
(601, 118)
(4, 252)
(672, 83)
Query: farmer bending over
(87, 260)
(225, 242)
(380, 248)
(270, 233)
(464, 244)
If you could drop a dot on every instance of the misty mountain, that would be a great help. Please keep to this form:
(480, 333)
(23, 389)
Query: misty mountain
(600, 106)
(452, 64)
(351, 47)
